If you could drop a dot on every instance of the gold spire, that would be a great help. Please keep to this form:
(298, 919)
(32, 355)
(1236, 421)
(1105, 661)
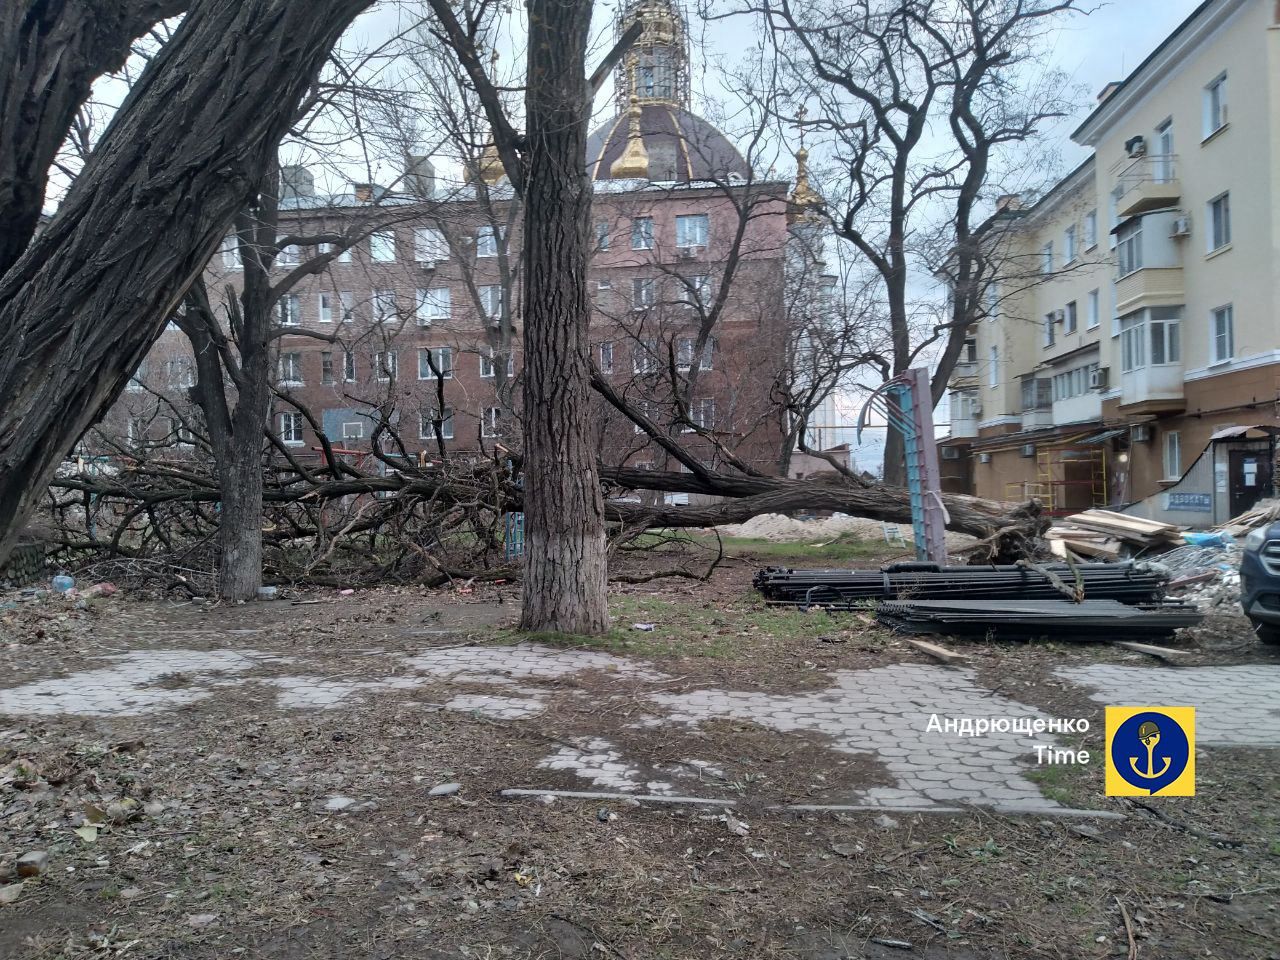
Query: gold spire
(634, 162)
(803, 197)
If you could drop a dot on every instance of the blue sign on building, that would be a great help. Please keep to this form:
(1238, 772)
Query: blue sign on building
(1189, 502)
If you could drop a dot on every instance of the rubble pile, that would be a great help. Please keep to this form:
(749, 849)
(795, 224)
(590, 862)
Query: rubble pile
(1206, 575)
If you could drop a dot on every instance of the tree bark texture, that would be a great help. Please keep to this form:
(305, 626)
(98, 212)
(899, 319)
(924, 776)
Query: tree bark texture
(51, 51)
(92, 292)
(565, 545)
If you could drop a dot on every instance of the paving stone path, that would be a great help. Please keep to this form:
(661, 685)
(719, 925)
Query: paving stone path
(882, 712)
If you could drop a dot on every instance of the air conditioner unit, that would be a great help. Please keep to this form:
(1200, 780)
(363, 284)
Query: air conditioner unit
(1181, 227)
(984, 458)
(1140, 433)
(1098, 378)
(1028, 449)
(950, 453)
(1136, 147)
(1060, 317)
(688, 253)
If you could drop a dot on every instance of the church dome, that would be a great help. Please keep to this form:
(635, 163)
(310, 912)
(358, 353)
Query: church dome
(681, 146)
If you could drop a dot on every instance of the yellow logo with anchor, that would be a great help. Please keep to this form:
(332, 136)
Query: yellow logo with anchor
(1151, 751)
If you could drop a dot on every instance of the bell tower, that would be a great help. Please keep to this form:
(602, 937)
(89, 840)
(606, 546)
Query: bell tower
(656, 70)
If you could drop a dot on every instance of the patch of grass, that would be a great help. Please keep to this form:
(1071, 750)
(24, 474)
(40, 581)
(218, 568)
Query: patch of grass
(1064, 783)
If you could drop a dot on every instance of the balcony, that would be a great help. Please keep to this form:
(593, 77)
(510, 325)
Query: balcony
(1155, 286)
(962, 427)
(1156, 388)
(1146, 183)
(964, 374)
(1037, 418)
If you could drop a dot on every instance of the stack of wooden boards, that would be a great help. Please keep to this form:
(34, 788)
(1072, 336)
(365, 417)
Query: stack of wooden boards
(1265, 511)
(1102, 534)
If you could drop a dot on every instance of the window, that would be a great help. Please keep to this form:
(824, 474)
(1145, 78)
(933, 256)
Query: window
(430, 420)
(602, 234)
(136, 431)
(993, 369)
(487, 241)
(1069, 244)
(349, 367)
(325, 311)
(642, 233)
(969, 351)
(1219, 222)
(291, 429)
(606, 357)
(434, 304)
(382, 247)
(1133, 352)
(1129, 248)
(691, 230)
(429, 245)
(489, 425)
(1091, 229)
(645, 409)
(702, 411)
(181, 433)
(1165, 323)
(1113, 211)
(708, 354)
(326, 367)
(344, 255)
(491, 300)
(1215, 105)
(181, 372)
(384, 305)
(1092, 310)
(1221, 329)
(289, 256)
(1037, 393)
(348, 301)
(387, 364)
(230, 250)
(696, 291)
(1049, 319)
(1071, 318)
(289, 310)
(1162, 168)
(604, 284)
(291, 368)
(685, 348)
(435, 362)
(643, 292)
(488, 367)
(644, 356)
(1046, 258)
(1172, 455)
(353, 430)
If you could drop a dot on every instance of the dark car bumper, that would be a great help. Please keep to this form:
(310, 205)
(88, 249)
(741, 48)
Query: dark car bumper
(1259, 590)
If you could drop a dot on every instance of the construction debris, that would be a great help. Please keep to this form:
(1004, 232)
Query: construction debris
(1028, 619)
(1103, 534)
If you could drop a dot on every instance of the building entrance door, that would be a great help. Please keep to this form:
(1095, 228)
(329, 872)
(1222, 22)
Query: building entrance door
(1248, 479)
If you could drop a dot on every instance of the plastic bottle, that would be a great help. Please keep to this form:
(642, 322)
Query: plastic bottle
(63, 582)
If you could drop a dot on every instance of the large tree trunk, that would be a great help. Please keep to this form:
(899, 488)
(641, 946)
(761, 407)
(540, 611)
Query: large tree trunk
(565, 584)
(84, 303)
(240, 526)
(51, 51)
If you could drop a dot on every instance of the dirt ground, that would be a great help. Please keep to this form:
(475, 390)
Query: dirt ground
(228, 826)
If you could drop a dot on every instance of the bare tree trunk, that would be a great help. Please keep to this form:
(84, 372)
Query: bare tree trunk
(565, 547)
(84, 303)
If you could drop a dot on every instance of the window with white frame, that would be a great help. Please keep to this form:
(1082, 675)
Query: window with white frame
(429, 421)
(489, 424)
(344, 255)
(707, 358)
(1091, 229)
(434, 303)
(348, 301)
(349, 367)
(645, 409)
(386, 364)
(1070, 319)
(606, 357)
(1219, 221)
(489, 369)
(602, 234)
(644, 356)
(684, 352)
(291, 368)
(1069, 244)
(1074, 383)
(1092, 308)
(604, 284)
(382, 247)
(642, 233)
(181, 372)
(1050, 319)
(353, 430)
(692, 229)
(1172, 455)
(702, 411)
(180, 433)
(289, 256)
(324, 311)
(487, 238)
(384, 305)
(430, 245)
(291, 429)
(1215, 104)
(1222, 330)
(289, 310)
(490, 300)
(1129, 248)
(695, 291)
(644, 292)
(326, 367)
(1133, 350)
(1046, 258)
(1113, 212)
(1166, 334)
(993, 368)
(435, 362)
(230, 250)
